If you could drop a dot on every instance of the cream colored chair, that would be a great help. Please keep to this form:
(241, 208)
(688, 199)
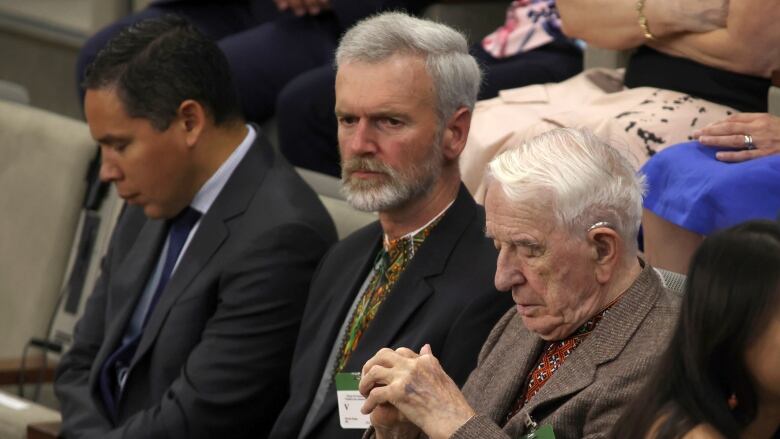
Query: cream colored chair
(43, 162)
(674, 282)
(11, 91)
(346, 218)
(774, 98)
(90, 244)
(16, 414)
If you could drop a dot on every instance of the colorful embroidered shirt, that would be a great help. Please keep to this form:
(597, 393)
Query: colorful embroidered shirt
(390, 262)
(554, 354)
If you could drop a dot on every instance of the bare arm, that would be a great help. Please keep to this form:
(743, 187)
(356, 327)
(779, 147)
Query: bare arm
(748, 44)
(614, 24)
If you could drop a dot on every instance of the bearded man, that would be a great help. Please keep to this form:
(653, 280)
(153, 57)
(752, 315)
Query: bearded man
(422, 274)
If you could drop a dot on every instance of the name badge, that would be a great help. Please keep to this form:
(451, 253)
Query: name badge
(350, 401)
(543, 432)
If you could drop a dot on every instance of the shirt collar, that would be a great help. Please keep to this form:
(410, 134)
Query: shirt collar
(386, 241)
(213, 186)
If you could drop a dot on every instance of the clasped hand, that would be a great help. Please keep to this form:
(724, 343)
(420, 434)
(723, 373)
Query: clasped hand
(407, 392)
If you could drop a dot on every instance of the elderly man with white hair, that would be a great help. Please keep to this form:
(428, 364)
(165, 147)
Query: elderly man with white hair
(590, 319)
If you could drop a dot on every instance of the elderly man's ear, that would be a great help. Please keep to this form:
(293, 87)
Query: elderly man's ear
(606, 246)
(455, 133)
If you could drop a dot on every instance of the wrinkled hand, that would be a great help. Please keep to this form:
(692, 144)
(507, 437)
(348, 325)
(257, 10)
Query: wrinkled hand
(387, 420)
(730, 133)
(699, 15)
(303, 7)
(419, 391)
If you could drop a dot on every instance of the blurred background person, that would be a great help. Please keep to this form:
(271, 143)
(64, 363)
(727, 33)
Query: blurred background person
(267, 43)
(730, 175)
(694, 63)
(720, 375)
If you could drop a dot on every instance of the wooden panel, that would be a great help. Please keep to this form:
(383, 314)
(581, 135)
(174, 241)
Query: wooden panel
(46, 430)
(9, 370)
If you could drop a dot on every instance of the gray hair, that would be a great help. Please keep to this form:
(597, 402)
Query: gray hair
(455, 73)
(589, 181)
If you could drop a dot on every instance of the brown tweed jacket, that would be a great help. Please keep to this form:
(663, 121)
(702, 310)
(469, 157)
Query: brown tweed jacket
(585, 397)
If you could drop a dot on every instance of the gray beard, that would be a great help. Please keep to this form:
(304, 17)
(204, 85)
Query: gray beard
(396, 189)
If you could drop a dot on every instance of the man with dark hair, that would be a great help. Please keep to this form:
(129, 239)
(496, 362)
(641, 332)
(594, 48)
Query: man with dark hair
(190, 329)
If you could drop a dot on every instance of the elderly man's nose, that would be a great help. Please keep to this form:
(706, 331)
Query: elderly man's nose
(507, 274)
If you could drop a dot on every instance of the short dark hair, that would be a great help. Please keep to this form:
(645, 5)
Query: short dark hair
(159, 63)
(732, 292)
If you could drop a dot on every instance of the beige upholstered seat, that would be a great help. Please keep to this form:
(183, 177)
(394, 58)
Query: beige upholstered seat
(11, 91)
(16, 414)
(346, 218)
(674, 282)
(43, 163)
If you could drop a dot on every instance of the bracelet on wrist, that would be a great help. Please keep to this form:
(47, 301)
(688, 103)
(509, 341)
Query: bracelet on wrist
(640, 6)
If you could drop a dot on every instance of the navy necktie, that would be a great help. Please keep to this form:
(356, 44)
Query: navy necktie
(113, 372)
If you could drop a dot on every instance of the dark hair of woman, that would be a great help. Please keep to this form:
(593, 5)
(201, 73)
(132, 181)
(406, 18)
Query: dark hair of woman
(732, 292)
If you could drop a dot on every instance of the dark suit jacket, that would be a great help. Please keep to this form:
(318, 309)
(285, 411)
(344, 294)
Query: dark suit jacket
(214, 357)
(349, 12)
(445, 297)
(587, 395)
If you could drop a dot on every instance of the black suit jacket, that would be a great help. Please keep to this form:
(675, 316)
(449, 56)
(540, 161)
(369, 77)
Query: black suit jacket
(445, 297)
(349, 12)
(214, 357)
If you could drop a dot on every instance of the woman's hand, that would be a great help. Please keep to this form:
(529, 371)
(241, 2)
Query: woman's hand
(737, 130)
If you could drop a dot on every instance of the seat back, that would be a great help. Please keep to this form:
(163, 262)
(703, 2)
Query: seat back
(90, 244)
(11, 91)
(774, 95)
(43, 163)
(16, 414)
(346, 218)
(674, 282)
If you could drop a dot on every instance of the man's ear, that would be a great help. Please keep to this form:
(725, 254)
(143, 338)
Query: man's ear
(606, 244)
(456, 131)
(191, 117)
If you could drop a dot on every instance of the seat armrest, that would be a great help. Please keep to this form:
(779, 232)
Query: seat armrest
(17, 414)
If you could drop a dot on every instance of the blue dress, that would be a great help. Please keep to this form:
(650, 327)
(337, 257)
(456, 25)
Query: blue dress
(687, 186)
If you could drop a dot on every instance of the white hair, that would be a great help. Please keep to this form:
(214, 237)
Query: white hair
(588, 181)
(454, 72)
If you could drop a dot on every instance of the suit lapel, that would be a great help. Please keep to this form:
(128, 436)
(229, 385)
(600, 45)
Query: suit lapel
(504, 371)
(413, 287)
(411, 290)
(129, 282)
(604, 344)
(338, 310)
(213, 230)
